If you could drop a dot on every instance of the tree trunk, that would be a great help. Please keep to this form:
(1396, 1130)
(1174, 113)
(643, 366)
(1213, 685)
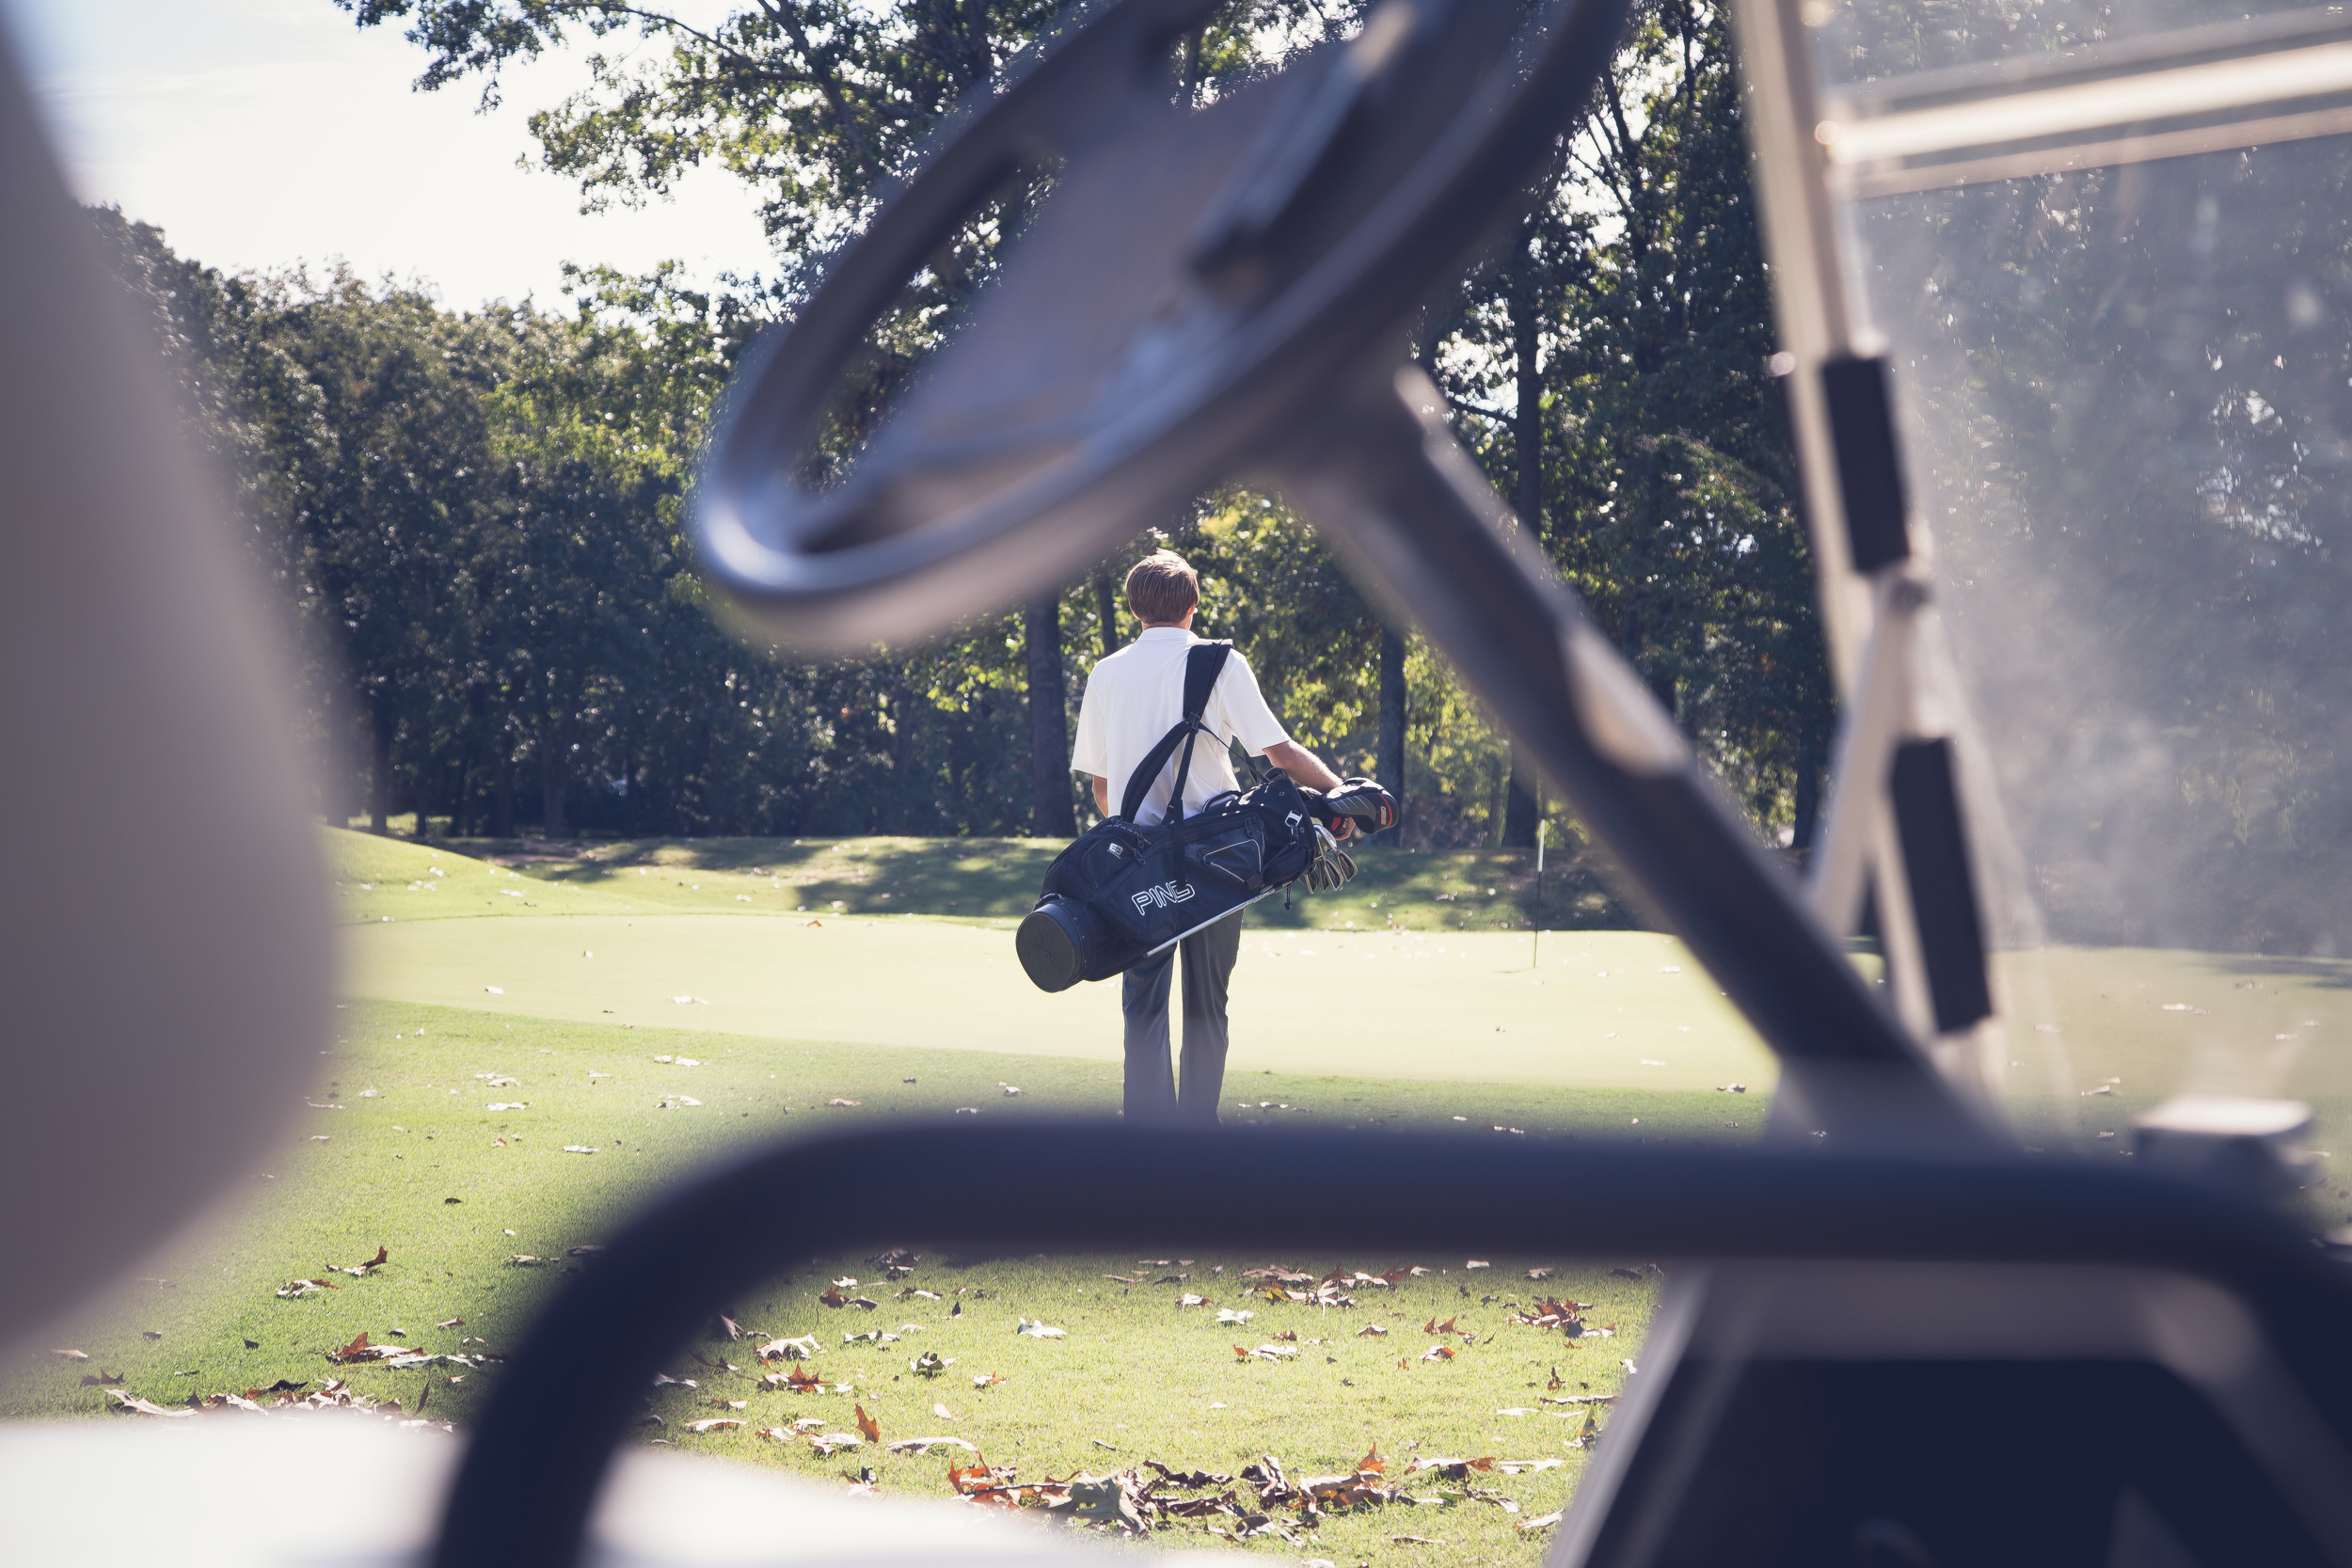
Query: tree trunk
(502, 801)
(555, 781)
(1519, 812)
(1049, 726)
(1809, 793)
(424, 798)
(1518, 815)
(380, 776)
(1106, 610)
(1389, 757)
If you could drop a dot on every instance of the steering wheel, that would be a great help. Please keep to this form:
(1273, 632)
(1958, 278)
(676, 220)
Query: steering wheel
(1226, 290)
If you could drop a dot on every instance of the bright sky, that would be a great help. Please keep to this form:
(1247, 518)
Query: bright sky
(260, 134)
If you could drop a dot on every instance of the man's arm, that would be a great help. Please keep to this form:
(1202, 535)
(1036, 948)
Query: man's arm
(1102, 795)
(1303, 766)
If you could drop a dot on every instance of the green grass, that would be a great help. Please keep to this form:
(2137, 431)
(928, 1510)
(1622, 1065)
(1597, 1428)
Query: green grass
(1136, 1372)
(1464, 889)
(906, 1000)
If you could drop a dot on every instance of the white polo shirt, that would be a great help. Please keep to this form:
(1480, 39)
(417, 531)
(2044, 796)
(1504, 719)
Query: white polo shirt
(1138, 695)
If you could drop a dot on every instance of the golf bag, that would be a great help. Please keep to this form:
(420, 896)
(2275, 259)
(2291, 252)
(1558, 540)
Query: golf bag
(1122, 893)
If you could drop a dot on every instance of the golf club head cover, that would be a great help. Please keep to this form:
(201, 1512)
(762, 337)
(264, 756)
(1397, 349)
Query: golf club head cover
(1374, 808)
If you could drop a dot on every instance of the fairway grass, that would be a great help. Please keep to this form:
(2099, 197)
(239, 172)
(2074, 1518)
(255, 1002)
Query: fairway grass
(1446, 889)
(548, 986)
(403, 1126)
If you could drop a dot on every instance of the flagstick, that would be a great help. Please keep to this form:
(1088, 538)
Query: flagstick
(1535, 957)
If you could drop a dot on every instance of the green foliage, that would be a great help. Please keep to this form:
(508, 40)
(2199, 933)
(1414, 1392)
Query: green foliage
(478, 515)
(1637, 297)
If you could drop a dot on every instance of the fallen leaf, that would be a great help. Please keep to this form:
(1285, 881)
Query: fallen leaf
(1438, 1353)
(1039, 1331)
(868, 1426)
(990, 1380)
(1434, 1327)
(357, 1347)
(1478, 1263)
(925, 1445)
(797, 1349)
(451, 1322)
(1227, 1315)
(117, 1399)
(716, 1423)
(101, 1378)
(942, 1413)
(841, 1102)
(1372, 1329)
(71, 1354)
(930, 1364)
(825, 1443)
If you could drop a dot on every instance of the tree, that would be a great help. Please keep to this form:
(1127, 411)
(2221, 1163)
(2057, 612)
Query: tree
(817, 104)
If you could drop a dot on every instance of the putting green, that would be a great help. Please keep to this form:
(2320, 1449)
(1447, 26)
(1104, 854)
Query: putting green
(1617, 1008)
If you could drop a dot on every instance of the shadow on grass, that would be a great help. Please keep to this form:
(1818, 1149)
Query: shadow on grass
(1466, 890)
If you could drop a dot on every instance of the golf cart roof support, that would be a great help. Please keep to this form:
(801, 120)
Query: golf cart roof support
(1842, 416)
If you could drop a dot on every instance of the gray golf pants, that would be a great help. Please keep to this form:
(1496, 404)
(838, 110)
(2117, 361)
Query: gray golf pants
(1152, 1098)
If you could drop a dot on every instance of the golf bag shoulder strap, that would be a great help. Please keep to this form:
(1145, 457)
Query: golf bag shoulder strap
(1202, 665)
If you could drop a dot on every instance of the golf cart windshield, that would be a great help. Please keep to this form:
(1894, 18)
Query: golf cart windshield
(2103, 252)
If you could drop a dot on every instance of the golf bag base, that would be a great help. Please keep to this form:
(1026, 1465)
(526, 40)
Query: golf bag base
(1064, 941)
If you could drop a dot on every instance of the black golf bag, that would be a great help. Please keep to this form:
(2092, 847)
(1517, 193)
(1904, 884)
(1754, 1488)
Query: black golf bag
(1122, 893)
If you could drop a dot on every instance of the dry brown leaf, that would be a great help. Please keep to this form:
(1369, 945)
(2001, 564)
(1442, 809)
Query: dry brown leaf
(357, 1347)
(1438, 1353)
(867, 1425)
(716, 1423)
(101, 1378)
(832, 1297)
(451, 1322)
(1372, 1464)
(130, 1405)
(1374, 1330)
(1544, 1522)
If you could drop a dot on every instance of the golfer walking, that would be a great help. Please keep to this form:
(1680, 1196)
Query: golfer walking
(1132, 698)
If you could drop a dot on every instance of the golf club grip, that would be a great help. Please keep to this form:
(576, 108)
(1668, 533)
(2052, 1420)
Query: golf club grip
(1390, 489)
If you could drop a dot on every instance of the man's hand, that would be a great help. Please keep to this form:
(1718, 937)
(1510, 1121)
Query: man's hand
(1362, 804)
